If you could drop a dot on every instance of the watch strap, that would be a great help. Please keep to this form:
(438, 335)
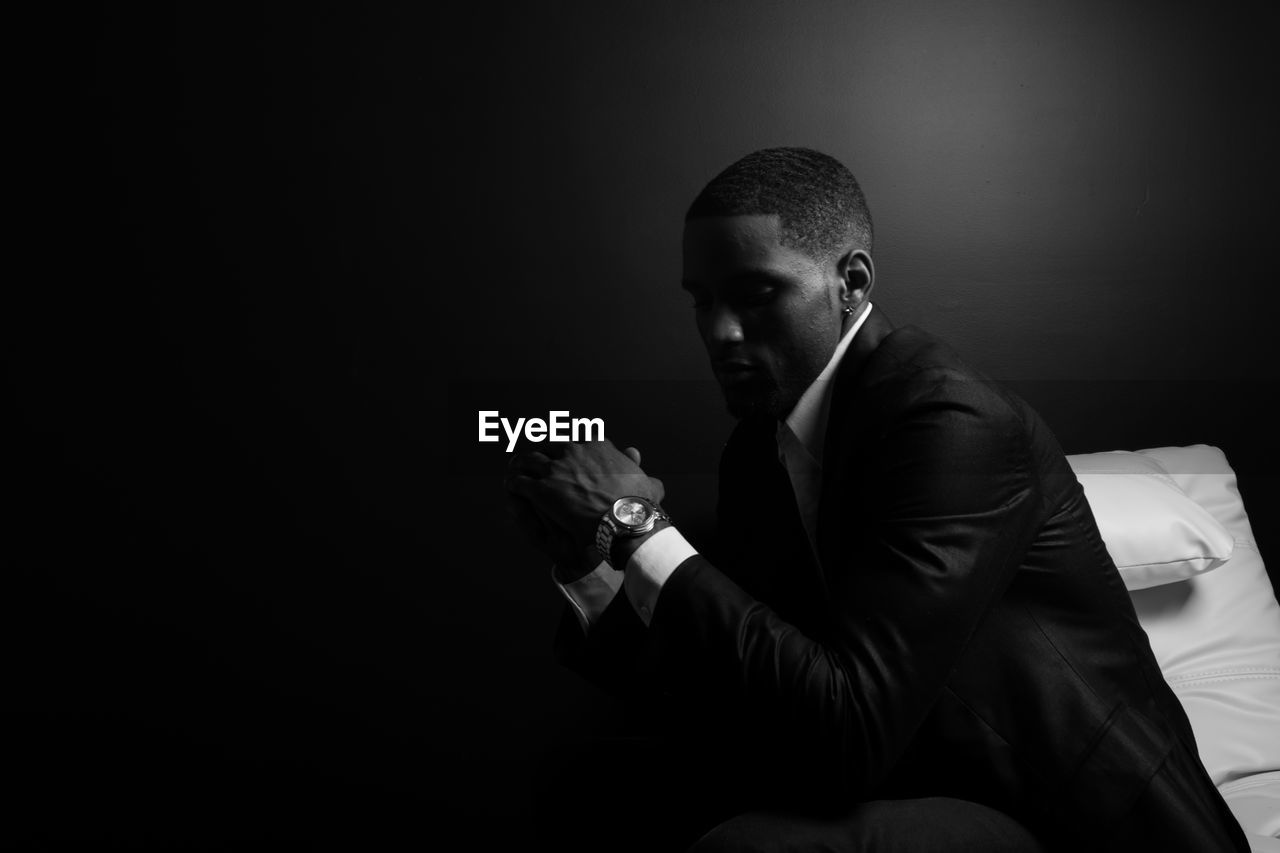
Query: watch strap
(604, 536)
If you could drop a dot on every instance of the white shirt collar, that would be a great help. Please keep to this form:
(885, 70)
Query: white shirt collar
(808, 420)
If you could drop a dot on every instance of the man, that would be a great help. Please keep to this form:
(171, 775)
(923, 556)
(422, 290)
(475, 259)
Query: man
(913, 637)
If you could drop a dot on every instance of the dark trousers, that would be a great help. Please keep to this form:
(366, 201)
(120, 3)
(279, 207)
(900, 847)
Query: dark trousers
(648, 794)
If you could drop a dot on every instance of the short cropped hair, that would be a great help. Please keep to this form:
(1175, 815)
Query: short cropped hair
(818, 201)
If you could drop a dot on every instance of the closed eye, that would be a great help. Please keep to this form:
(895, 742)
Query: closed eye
(759, 296)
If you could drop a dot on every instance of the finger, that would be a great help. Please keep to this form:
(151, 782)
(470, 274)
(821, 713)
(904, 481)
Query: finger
(527, 518)
(524, 486)
(519, 507)
(535, 521)
(533, 464)
(534, 509)
(555, 449)
(634, 453)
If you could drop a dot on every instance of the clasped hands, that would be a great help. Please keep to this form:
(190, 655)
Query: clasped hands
(557, 496)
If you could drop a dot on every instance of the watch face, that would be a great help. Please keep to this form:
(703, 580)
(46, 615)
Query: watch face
(631, 512)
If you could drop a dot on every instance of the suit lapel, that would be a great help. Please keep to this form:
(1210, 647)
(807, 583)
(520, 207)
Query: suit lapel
(754, 485)
(774, 560)
(838, 448)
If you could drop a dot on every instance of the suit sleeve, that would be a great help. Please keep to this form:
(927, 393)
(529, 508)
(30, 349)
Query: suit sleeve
(611, 655)
(933, 523)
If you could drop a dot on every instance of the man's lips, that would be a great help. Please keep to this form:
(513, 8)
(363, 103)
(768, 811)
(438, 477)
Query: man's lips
(735, 369)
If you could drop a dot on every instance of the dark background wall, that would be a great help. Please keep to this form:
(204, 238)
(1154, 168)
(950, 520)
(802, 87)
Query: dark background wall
(262, 582)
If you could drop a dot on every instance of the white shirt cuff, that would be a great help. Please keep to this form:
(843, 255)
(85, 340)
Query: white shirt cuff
(651, 565)
(590, 594)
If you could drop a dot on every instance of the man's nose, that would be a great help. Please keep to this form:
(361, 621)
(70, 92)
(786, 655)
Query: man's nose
(724, 326)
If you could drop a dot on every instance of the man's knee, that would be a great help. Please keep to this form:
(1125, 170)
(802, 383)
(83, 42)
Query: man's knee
(880, 826)
(940, 823)
(754, 832)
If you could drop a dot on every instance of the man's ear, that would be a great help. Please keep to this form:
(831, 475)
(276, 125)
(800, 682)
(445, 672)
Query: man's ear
(857, 276)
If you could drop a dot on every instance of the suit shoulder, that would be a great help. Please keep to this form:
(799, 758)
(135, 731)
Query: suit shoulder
(913, 366)
(909, 348)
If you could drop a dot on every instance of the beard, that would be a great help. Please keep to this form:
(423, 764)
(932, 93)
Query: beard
(748, 408)
(773, 392)
(759, 400)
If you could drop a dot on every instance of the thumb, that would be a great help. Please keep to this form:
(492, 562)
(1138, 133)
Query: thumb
(634, 453)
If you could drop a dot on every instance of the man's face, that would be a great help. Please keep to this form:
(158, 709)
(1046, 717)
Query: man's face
(768, 315)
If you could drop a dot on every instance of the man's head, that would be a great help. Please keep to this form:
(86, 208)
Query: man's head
(775, 248)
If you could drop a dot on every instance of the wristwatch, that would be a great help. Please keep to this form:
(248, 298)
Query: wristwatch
(630, 516)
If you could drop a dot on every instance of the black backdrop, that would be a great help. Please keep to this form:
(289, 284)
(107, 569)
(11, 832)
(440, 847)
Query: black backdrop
(261, 582)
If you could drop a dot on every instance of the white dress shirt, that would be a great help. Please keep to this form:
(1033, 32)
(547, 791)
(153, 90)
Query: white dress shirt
(800, 440)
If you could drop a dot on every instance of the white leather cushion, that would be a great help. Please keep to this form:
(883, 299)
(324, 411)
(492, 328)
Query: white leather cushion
(1216, 635)
(1255, 802)
(1153, 531)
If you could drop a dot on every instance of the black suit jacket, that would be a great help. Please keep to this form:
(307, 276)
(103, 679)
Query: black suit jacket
(962, 632)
